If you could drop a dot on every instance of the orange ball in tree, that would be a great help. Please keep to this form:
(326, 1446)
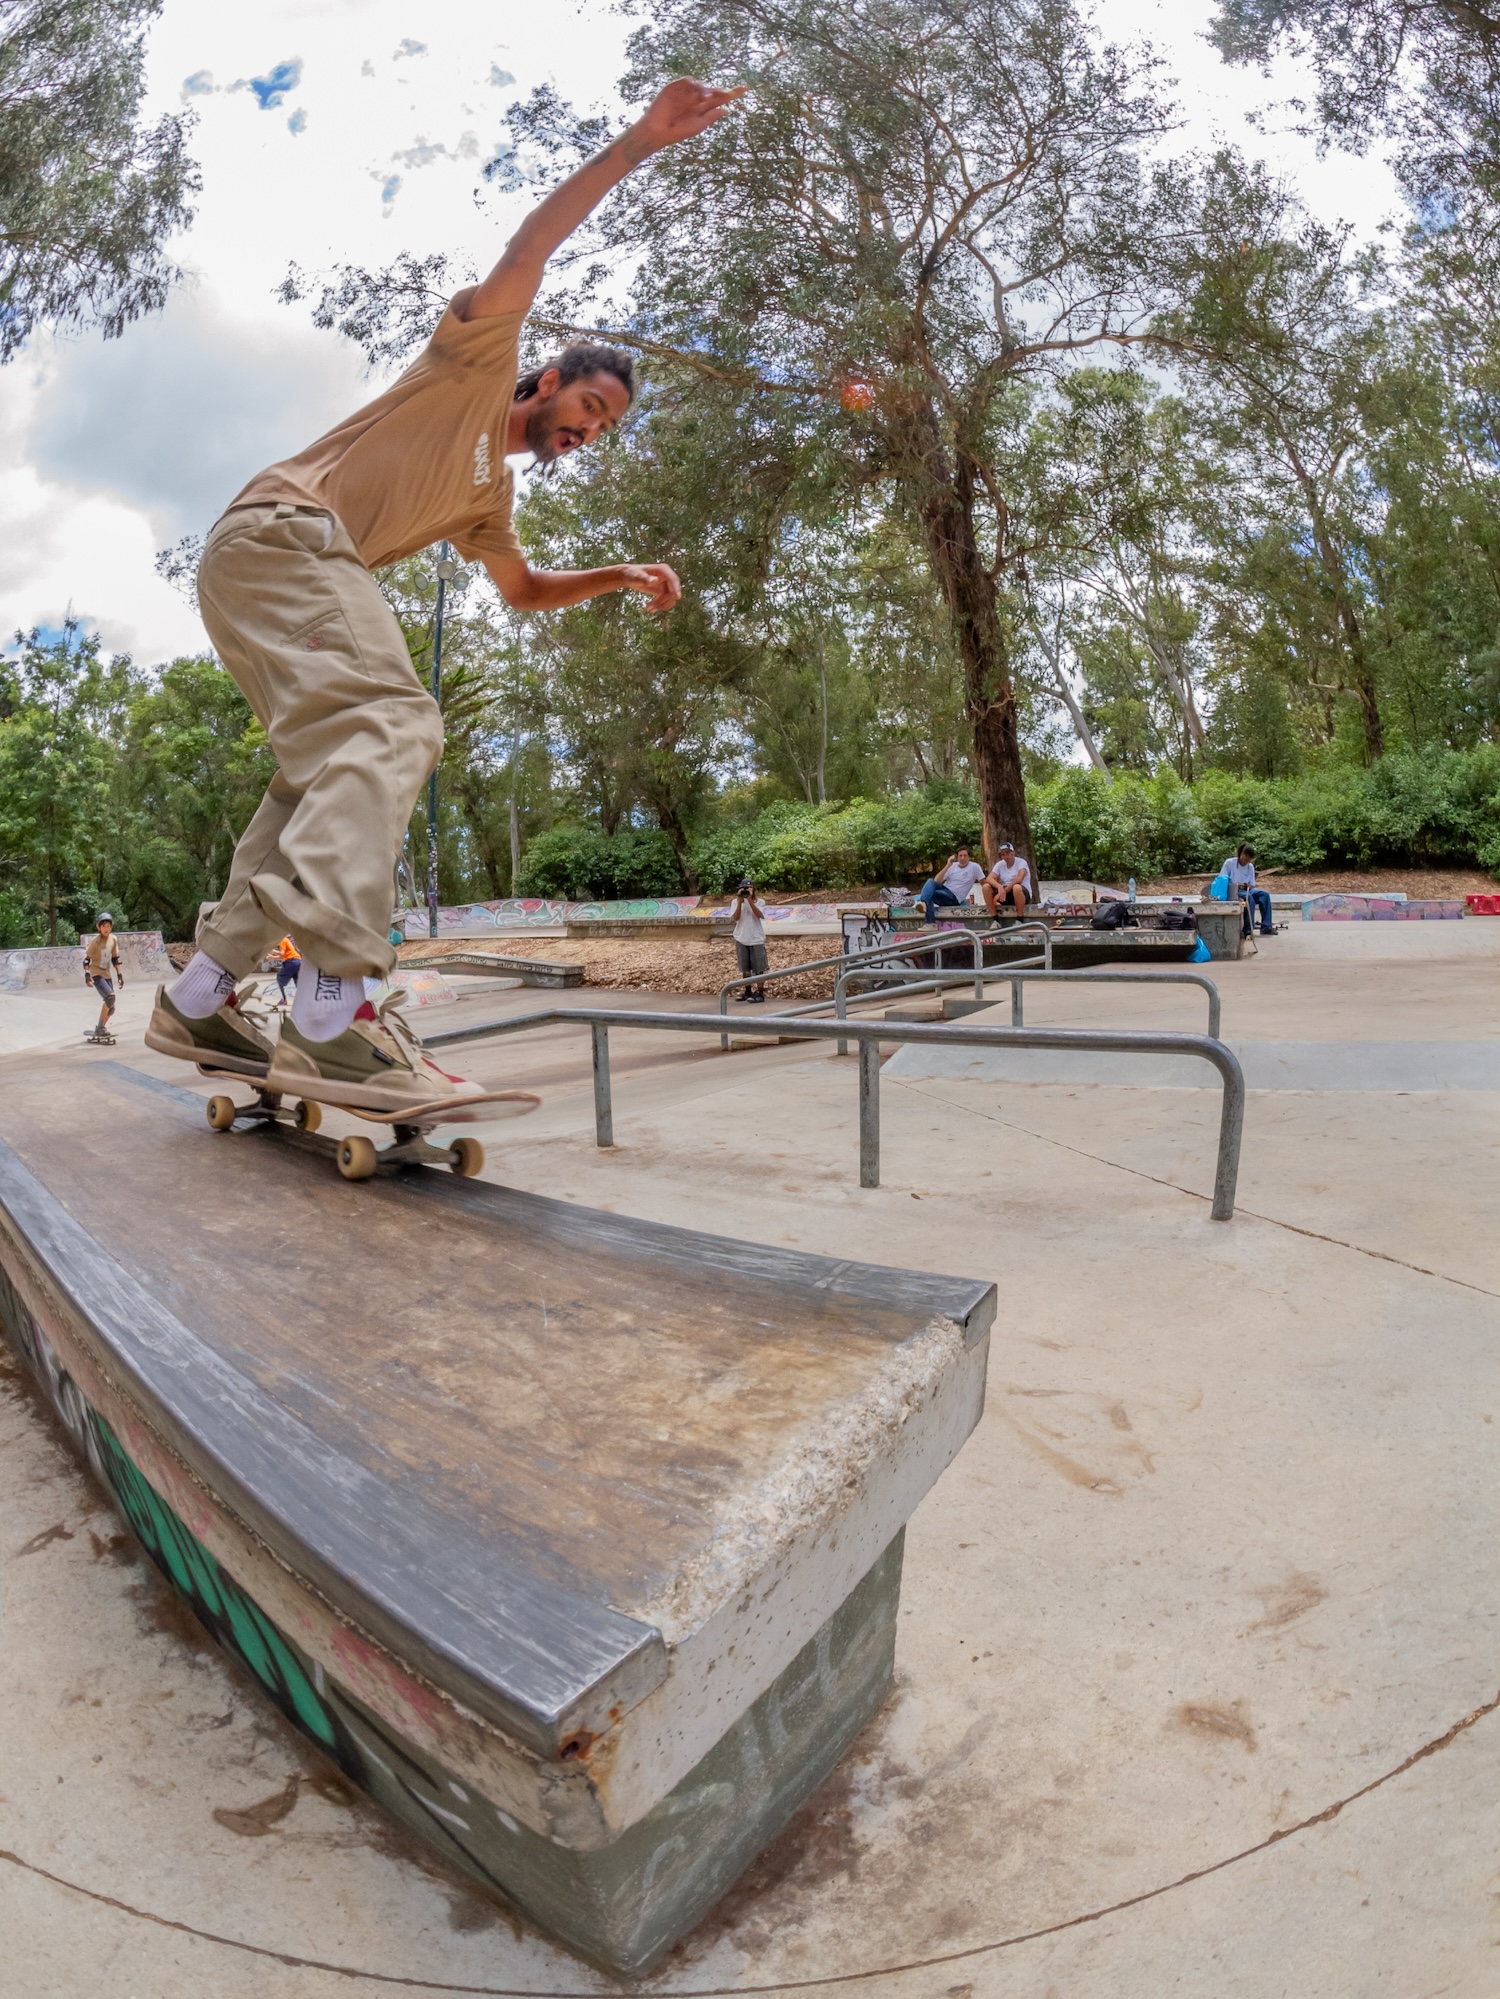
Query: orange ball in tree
(858, 396)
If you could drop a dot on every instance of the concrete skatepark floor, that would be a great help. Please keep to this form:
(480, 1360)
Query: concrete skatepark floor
(1197, 1674)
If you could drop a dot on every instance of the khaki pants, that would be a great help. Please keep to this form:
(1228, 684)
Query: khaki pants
(314, 648)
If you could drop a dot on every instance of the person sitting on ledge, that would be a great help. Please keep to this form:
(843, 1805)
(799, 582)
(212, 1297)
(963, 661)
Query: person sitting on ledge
(953, 883)
(1008, 883)
(1239, 870)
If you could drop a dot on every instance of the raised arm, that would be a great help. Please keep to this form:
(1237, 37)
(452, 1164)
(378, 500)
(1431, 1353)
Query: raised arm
(681, 111)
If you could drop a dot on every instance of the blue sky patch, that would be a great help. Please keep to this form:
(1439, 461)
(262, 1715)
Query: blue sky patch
(271, 90)
(409, 48)
(297, 123)
(500, 77)
(199, 84)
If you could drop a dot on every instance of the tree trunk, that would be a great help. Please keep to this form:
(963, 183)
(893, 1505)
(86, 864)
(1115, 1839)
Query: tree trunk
(944, 493)
(52, 900)
(823, 738)
(676, 832)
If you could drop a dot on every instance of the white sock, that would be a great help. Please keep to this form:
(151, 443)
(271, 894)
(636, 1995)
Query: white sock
(202, 988)
(325, 1003)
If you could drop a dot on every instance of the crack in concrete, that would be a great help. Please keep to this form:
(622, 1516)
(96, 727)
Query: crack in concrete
(1252, 1214)
(647, 1991)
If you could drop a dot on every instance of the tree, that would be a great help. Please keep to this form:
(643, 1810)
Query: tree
(1278, 357)
(88, 194)
(191, 765)
(55, 769)
(922, 213)
(1427, 71)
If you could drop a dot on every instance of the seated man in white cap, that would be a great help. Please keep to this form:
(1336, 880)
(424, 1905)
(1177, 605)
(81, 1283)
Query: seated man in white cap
(1008, 883)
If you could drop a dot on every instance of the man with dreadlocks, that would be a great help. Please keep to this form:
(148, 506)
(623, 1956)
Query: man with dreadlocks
(296, 617)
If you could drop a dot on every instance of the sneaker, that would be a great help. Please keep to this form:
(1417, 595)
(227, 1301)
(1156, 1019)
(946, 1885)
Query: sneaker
(377, 1064)
(231, 1039)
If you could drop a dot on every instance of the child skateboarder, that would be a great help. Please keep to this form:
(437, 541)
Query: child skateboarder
(300, 624)
(101, 970)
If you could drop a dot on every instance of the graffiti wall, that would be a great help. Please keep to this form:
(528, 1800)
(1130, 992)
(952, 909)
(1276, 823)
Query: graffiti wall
(40, 968)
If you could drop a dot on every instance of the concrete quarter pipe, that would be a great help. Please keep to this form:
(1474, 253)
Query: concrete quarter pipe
(575, 1541)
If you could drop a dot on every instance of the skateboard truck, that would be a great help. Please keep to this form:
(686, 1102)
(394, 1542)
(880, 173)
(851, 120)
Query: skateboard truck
(356, 1157)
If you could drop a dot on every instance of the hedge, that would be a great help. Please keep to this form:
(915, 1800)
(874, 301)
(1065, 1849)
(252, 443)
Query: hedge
(1404, 809)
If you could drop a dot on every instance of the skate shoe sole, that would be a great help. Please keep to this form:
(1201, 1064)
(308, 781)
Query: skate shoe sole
(169, 1037)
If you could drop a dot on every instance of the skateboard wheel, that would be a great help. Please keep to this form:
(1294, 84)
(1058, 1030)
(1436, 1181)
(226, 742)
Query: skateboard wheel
(221, 1113)
(466, 1156)
(307, 1116)
(357, 1158)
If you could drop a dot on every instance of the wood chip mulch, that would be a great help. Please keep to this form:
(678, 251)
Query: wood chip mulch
(694, 965)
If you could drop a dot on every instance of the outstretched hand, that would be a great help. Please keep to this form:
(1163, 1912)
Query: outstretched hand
(682, 110)
(656, 582)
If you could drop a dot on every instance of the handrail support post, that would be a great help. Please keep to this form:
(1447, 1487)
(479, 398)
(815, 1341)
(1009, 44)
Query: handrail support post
(869, 1112)
(604, 1110)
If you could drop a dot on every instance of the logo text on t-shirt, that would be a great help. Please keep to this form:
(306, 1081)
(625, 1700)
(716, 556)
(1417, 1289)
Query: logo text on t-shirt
(482, 460)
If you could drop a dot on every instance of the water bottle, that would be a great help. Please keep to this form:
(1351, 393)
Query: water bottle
(1130, 885)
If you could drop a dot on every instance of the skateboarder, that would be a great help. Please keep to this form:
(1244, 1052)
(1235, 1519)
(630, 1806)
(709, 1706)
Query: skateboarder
(300, 624)
(101, 970)
(288, 967)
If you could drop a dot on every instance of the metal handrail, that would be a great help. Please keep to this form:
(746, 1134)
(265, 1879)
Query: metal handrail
(1016, 974)
(869, 1034)
(920, 940)
(821, 965)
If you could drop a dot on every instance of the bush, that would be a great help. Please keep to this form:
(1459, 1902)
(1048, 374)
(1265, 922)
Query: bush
(581, 864)
(799, 847)
(1405, 808)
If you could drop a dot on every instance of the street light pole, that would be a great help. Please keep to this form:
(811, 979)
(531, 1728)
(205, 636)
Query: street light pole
(446, 569)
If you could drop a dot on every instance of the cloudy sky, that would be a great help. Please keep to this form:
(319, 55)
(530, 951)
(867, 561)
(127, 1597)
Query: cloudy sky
(352, 129)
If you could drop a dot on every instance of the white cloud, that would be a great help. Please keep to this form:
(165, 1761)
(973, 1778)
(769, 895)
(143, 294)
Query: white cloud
(172, 419)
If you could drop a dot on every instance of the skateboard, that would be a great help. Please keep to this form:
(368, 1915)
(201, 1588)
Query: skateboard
(359, 1158)
(100, 1040)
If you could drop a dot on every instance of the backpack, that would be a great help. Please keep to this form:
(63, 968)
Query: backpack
(1113, 916)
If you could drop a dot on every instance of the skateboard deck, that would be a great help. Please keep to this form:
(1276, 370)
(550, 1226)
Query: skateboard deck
(103, 1040)
(359, 1158)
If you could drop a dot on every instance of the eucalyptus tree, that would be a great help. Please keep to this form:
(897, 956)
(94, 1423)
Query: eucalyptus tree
(1110, 475)
(922, 211)
(1277, 351)
(89, 192)
(1424, 71)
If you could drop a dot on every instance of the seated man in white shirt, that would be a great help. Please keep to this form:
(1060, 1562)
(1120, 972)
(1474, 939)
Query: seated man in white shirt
(1239, 870)
(952, 884)
(1008, 883)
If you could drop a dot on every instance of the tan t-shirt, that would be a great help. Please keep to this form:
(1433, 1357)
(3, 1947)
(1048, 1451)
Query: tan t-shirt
(99, 954)
(425, 461)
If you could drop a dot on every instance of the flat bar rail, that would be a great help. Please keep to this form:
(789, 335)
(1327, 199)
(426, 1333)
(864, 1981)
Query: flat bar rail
(1001, 974)
(870, 1034)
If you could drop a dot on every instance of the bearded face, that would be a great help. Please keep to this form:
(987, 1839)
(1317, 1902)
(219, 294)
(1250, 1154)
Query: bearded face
(572, 414)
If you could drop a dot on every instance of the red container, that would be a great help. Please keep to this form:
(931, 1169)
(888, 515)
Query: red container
(1483, 905)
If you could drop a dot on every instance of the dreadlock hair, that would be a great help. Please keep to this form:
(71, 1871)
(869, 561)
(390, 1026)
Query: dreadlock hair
(578, 358)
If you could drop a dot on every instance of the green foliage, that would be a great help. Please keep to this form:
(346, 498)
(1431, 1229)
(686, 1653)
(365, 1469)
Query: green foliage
(1404, 809)
(118, 791)
(55, 768)
(580, 864)
(88, 195)
(797, 847)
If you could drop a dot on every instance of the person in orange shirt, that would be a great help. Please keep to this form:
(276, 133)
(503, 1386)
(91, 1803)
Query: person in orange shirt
(290, 966)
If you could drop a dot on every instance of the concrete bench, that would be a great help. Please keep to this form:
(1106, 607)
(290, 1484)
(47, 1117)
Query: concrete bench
(573, 1540)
